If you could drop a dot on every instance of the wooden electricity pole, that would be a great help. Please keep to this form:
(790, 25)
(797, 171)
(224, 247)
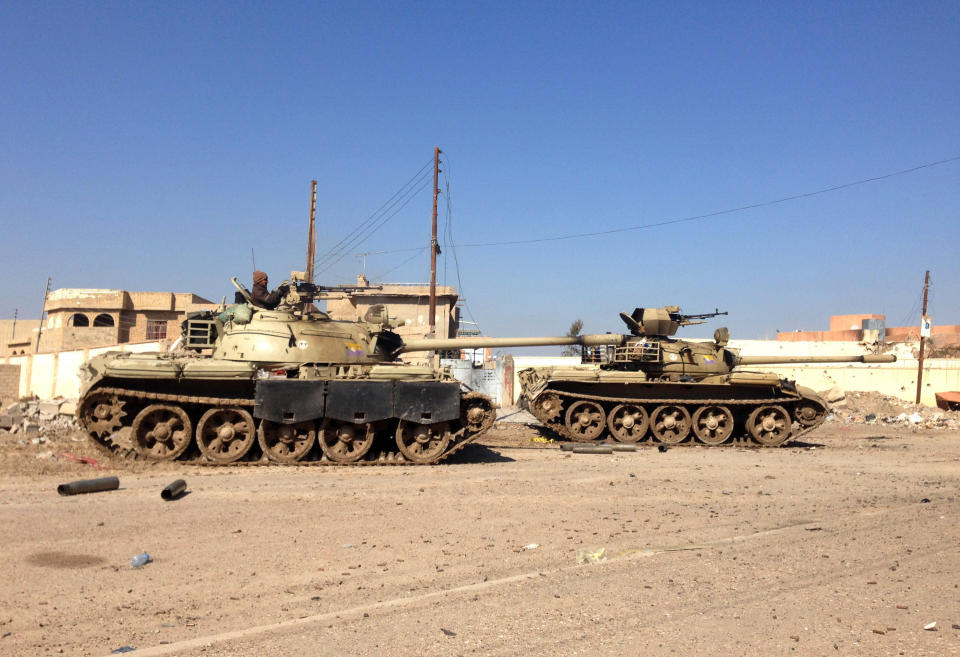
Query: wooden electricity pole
(312, 233)
(923, 316)
(434, 248)
(43, 309)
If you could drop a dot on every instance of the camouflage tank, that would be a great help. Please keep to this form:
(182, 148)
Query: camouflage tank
(248, 383)
(652, 388)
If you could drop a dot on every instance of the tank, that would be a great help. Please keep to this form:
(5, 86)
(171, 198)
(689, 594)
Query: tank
(288, 385)
(652, 388)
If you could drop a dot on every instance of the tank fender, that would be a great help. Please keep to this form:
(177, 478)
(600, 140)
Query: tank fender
(292, 401)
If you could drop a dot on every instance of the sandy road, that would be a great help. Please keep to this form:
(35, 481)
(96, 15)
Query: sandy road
(830, 550)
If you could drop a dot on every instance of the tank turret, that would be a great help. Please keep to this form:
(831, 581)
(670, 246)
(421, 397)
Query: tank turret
(652, 387)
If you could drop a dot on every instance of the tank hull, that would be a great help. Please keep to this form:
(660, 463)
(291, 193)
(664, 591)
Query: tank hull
(199, 409)
(587, 404)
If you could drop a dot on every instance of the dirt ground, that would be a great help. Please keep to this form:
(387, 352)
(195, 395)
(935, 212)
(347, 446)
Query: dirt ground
(845, 544)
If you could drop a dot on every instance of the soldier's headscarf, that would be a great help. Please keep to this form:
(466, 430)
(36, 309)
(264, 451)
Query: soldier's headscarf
(259, 277)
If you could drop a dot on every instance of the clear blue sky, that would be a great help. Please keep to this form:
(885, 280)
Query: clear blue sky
(150, 146)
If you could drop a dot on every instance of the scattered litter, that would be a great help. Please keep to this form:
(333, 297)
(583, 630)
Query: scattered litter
(585, 555)
(448, 632)
(879, 631)
(814, 528)
(122, 649)
(902, 607)
(73, 458)
(139, 560)
(955, 626)
(931, 627)
(661, 448)
(925, 500)
(530, 546)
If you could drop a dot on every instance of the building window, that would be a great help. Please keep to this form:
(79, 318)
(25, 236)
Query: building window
(156, 329)
(103, 319)
(79, 319)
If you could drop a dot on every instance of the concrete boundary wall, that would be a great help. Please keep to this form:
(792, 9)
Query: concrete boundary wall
(57, 374)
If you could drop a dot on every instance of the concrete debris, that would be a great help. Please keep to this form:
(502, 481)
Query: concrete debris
(877, 408)
(834, 395)
(36, 420)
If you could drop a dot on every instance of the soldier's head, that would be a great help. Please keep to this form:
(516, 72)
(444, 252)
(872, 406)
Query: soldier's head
(259, 278)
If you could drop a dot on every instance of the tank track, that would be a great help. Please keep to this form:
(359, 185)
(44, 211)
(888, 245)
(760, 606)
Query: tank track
(554, 421)
(103, 433)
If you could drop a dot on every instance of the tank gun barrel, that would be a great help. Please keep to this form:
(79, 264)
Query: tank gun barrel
(427, 344)
(778, 360)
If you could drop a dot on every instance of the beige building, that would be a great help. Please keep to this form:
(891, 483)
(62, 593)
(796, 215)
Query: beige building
(408, 306)
(82, 318)
(18, 336)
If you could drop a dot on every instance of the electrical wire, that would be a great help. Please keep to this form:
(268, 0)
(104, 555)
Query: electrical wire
(451, 245)
(372, 223)
(369, 231)
(380, 277)
(716, 213)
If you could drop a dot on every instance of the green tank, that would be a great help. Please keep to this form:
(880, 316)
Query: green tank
(247, 383)
(650, 387)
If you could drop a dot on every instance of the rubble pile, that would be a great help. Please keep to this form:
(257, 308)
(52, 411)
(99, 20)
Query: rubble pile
(38, 421)
(877, 408)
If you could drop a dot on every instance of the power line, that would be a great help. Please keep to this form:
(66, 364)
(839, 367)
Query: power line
(448, 231)
(716, 213)
(367, 231)
(375, 220)
(380, 277)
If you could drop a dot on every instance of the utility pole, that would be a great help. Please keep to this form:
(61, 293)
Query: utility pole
(13, 333)
(434, 247)
(312, 234)
(43, 309)
(923, 316)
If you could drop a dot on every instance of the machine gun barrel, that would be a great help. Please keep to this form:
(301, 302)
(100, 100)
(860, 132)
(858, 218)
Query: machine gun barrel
(686, 319)
(427, 344)
(778, 360)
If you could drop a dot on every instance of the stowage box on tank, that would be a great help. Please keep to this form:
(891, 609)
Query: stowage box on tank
(650, 387)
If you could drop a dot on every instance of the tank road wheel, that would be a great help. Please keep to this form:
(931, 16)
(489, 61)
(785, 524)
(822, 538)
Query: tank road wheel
(547, 407)
(628, 423)
(670, 423)
(422, 443)
(345, 442)
(585, 420)
(101, 413)
(162, 432)
(225, 435)
(808, 414)
(769, 425)
(286, 443)
(476, 412)
(713, 424)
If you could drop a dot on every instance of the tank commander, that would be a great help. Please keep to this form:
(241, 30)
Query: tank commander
(261, 296)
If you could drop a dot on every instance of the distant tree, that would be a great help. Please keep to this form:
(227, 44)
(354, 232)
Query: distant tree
(575, 327)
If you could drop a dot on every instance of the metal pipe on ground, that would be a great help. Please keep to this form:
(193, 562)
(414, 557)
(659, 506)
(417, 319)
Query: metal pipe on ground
(616, 447)
(592, 449)
(89, 486)
(174, 490)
